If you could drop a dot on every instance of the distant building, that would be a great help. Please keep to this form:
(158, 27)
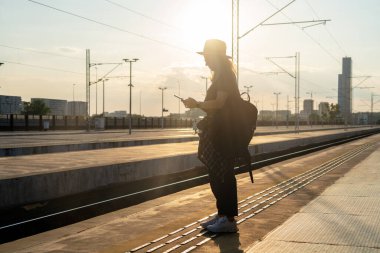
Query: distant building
(323, 108)
(283, 115)
(176, 115)
(345, 89)
(76, 108)
(308, 106)
(361, 118)
(116, 114)
(10, 104)
(57, 106)
(266, 115)
(194, 113)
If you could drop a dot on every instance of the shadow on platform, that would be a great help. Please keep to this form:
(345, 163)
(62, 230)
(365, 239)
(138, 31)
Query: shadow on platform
(228, 243)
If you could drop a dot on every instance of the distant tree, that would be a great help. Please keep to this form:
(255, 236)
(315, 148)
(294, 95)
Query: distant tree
(324, 117)
(37, 107)
(333, 112)
(313, 118)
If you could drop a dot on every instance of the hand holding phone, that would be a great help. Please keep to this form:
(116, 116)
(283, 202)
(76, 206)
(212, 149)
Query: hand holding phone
(178, 97)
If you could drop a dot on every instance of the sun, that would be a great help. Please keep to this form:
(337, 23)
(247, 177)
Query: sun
(200, 20)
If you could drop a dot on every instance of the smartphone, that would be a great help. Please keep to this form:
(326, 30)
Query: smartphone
(178, 97)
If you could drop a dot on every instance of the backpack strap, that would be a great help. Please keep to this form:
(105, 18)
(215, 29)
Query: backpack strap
(245, 93)
(248, 158)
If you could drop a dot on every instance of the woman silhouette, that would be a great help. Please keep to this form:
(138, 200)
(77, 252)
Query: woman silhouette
(215, 149)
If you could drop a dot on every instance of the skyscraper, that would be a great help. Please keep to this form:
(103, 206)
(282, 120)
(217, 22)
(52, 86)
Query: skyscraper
(308, 106)
(345, 90)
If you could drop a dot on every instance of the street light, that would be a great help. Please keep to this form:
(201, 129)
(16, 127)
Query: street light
(372, 96)
(179, 99)
(296, 77)
(130, 91)
(275, 115)
(248, 88)
(73, 109)
(104, 80)
(287, 111)
(206, 78)
(0, 65)
(162, 105)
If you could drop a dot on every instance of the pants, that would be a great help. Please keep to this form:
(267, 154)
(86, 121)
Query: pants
(225, 193)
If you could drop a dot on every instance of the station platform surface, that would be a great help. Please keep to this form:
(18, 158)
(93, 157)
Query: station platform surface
(344, 218)
(48, 176)
(343, 213)
(43, 163)
(23, 139)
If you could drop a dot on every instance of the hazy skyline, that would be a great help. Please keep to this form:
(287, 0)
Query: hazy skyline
(44, 49)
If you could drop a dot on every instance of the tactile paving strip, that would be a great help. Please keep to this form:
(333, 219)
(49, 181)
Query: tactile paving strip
(337, 221)
(281, 191)
(296, 247)
(344, 205)
(333, 229)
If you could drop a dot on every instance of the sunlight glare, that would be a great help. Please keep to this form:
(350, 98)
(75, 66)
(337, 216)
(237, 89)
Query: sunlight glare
(202, 20)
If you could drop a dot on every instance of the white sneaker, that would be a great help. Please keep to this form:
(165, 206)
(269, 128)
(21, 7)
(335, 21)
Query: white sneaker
(210, 221)
(223, 225)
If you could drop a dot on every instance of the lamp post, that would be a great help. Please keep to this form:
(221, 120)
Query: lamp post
(287, 111)
(0, 66)
(296, 77)
(275, 115)
(104, 96)
(130, 91)
(372, 96)
(73, 109)
(248, 88)
(96, 91)
(206, 78)
(162, 105)
(179, 100)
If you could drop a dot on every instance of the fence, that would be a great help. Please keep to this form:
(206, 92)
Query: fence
(15, 122)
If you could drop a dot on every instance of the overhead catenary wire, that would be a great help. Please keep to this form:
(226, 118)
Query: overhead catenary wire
(266, 73)
(41, 52)
(307, 34)
(111, 26)
(327, 30)
(105, 75)
(43, 67)
(142, 14)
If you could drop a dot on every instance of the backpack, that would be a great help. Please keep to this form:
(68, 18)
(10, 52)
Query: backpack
(246, 119)
(232, 129)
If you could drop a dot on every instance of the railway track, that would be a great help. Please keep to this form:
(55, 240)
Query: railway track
(189, 237)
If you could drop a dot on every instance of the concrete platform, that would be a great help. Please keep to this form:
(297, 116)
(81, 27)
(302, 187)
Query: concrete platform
(344, 218)
(29, 143)
(125, 229)
(28, 179)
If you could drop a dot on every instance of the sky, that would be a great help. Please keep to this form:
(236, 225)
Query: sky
(43, 45)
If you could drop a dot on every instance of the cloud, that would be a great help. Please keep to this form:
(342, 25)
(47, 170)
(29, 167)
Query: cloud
(70, 50)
